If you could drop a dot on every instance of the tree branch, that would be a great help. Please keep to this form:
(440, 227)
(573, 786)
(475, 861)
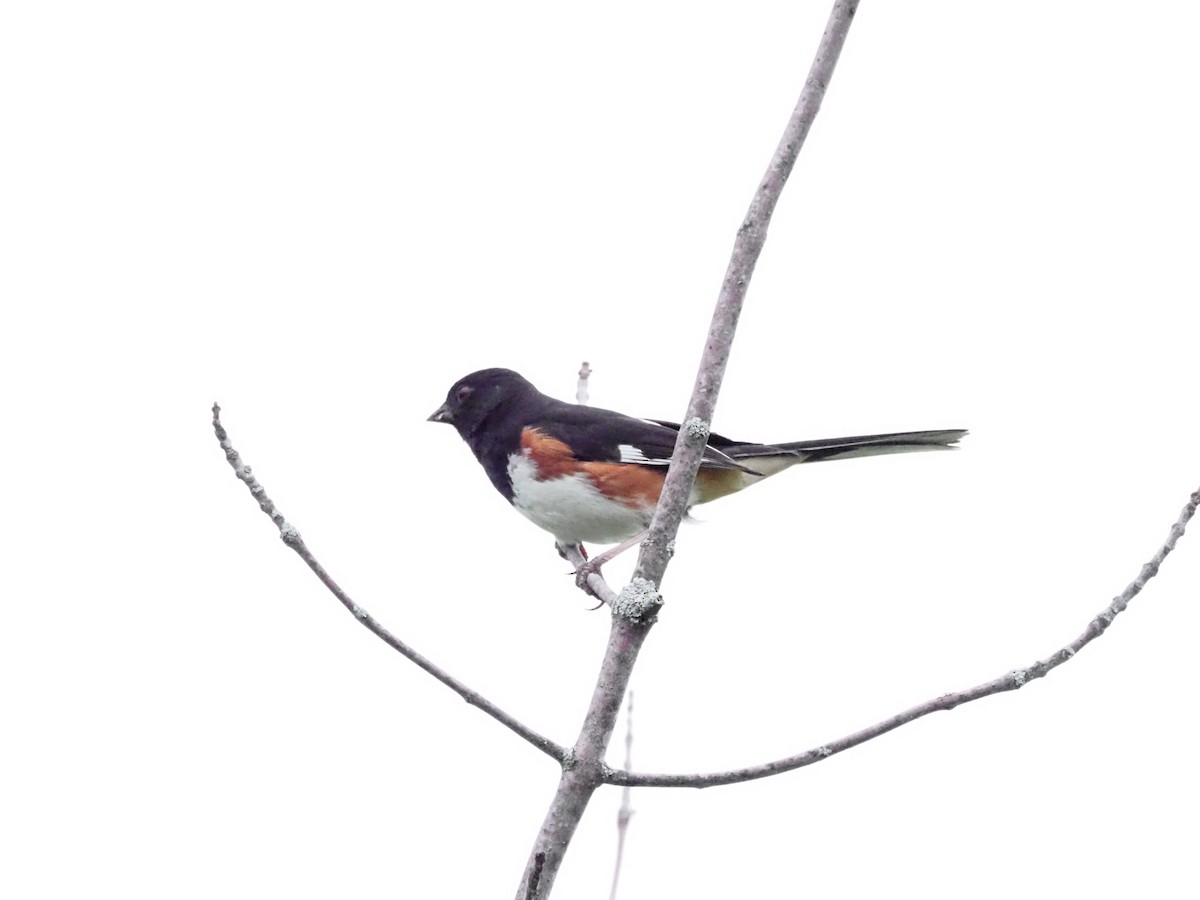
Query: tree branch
(625, 813)
(292, 538)
(634, 610)
(581, 387)
(1010, 681)
(747, 246)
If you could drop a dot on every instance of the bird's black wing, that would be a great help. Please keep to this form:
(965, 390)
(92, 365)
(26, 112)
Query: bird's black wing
(602, 435)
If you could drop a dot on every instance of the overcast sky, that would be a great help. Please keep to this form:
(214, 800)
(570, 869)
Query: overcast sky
(321, 215)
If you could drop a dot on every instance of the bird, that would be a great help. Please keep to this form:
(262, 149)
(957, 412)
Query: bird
(588, 474)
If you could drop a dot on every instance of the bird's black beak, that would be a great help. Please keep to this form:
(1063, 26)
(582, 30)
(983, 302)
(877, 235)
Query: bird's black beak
(441, 414)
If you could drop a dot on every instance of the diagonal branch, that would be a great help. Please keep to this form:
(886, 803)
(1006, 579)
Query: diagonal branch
(292, 538)
(697, 422)
(635, 609)
(1010, 681)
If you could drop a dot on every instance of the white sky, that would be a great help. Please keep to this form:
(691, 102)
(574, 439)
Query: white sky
(321, 215)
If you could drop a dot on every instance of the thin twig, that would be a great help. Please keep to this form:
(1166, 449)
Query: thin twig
(292, 538)
(1010, 681)
(581, 387)
(625, 813)
(573, 553)
(599, 588)
(636, 607)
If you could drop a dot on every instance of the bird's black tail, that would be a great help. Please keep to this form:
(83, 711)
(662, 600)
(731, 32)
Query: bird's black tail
(850, 447)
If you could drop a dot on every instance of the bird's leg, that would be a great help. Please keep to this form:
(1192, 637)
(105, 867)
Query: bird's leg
(568, 551)
(593, 565)
(577, 556)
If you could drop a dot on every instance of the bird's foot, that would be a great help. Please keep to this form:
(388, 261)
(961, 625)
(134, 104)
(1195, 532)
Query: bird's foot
(585, 570)
(592, 566)
(577, 556)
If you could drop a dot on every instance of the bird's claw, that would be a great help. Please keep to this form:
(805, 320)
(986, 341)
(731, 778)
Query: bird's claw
(586, 569)
(573, 553)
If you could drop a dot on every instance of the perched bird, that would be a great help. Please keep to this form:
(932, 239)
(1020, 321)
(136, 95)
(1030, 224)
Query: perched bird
(589, 474)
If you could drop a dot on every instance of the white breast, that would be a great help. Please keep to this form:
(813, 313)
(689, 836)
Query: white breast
(570, 507)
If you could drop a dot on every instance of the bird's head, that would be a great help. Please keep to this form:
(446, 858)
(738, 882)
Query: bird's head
(473, 398)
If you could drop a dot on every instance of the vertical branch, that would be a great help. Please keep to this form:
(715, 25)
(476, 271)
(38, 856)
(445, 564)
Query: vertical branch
(635, 610)
(625, 813)
(581, 389)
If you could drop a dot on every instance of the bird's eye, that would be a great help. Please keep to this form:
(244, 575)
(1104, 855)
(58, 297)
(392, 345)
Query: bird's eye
(463, 393)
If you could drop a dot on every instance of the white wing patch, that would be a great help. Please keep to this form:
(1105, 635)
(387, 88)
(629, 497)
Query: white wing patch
(632, 454)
